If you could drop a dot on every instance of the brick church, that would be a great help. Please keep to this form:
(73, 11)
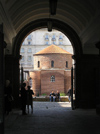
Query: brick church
(52, 70)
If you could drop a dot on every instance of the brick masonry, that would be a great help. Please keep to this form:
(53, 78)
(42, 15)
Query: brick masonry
(59, 61)
(41, 76)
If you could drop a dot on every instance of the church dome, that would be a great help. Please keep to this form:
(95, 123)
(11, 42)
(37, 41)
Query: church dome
(53, 49)
(52, 57)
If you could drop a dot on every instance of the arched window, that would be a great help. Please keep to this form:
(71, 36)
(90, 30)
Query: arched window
(52, 78)
(38, 63)
(52, 63)
(66, 63)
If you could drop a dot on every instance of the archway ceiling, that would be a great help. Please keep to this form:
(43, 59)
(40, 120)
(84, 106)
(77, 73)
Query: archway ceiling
(82, 15)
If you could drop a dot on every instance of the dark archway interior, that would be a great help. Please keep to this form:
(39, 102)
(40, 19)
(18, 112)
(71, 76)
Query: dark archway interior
(67, 30)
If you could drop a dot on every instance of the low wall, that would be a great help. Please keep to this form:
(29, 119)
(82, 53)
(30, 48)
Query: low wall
(46, 98)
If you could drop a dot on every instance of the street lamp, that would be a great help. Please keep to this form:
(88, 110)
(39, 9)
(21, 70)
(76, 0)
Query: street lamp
(53, 6)
(49, 25)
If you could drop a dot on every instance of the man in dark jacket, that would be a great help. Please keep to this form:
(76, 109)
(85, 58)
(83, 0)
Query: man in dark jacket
(58, 95)
(23, 98)
(52, 96)
(29, 98)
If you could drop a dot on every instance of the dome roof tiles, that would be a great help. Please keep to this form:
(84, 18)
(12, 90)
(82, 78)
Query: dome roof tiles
(52, 49)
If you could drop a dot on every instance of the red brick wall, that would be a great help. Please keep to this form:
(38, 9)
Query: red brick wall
(41, 81)
(59, 61)
(36, 82)
(67, 80)
(47, 86)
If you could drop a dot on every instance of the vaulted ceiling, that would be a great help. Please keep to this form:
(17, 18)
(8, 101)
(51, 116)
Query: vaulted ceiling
(81, 15)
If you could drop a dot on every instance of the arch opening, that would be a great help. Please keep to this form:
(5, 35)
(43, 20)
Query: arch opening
(58, 25)
(42, 23)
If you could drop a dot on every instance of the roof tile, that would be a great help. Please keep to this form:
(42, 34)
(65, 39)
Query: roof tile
(52, 49)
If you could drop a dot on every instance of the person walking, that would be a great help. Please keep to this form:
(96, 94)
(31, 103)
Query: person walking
(23, 98)
(69, 94)
(29, 99)
(8, 97)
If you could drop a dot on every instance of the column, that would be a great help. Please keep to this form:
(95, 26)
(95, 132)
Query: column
(1, 81)
(16, 80)
(21, 75)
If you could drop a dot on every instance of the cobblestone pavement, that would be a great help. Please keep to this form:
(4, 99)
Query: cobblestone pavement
(53, 118)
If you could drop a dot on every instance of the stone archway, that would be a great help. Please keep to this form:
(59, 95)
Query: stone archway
(61, 26)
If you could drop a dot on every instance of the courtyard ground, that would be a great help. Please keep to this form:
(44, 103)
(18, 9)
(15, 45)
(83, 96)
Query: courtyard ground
(53, 118)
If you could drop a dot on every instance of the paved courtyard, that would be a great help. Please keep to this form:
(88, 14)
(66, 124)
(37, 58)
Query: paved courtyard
(53, 118)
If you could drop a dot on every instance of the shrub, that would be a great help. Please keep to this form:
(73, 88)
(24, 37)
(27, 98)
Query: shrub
(62, 94)
(43, 94)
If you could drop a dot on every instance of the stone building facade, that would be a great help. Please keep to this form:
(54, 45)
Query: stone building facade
(52, 70)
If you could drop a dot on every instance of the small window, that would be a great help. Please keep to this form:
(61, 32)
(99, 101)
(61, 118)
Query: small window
(53, 42)
(29, 37)
(66, 63)
(38, 63)
(52, 63)
(53, 38)
(52, 78)
(29, 50)
(29, 58)
(60, 42)
(29, 43)
(23, 43)
(47, 43)
(46, 37)
(22, 50)
(60, 37)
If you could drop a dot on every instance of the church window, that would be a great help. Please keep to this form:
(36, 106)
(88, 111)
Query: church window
(66, 63)
(52, 78)
(38, 63)
(52, 63)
